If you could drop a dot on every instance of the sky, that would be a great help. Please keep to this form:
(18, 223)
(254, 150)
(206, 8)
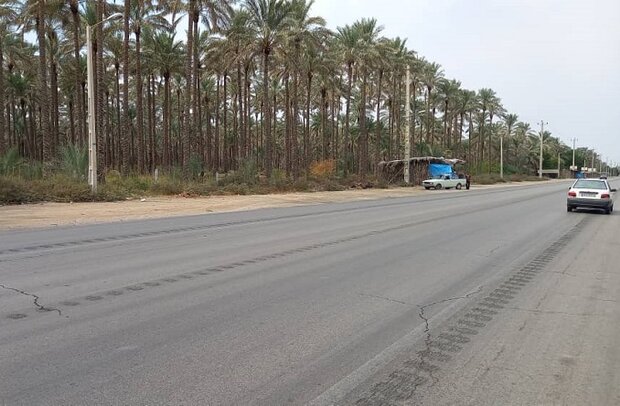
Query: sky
(556, 61)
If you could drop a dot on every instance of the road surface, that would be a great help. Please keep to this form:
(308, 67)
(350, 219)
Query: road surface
(478, 297)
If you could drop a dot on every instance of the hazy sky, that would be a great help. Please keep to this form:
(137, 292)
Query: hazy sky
(551, 60)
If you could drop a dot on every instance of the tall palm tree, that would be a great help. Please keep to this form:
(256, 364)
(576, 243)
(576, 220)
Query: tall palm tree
(215, 13)
(7, 15)
(164, 52)
(142, 14)
(448, 92)
(270, 20)
(431, 76)
(348, 38)
(305, 32)
(41, 16)
(368, 52)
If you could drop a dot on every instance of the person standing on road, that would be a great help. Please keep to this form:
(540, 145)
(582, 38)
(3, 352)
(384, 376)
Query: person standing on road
(467, 181)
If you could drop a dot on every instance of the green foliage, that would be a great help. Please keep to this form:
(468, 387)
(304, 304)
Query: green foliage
(74, 161)
(195, 167)
(11, 162)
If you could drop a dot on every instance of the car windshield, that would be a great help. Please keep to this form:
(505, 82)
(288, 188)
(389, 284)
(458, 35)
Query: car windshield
(590, 184)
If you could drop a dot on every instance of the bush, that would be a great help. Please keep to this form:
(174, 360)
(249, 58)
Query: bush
(14, 191)
(74, 162)
(11, 163)
(323, 169)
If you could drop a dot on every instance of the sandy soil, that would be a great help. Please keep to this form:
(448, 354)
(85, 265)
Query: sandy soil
(66, 214)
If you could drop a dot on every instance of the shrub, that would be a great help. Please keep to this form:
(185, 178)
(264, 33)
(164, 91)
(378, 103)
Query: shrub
(11, 163)
(74, 161)
(323, 169)
(14, 191)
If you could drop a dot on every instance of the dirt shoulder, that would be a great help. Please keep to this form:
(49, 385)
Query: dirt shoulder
(67, 214)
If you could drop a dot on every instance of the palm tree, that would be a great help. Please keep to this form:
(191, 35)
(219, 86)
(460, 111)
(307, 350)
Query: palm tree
(43, 85)
(215, 14)
(270, 20)
(142, 14)
(369, 35)
(7, 14)
(431, 77)
(448, 92)
(348, 38)
(165, 53)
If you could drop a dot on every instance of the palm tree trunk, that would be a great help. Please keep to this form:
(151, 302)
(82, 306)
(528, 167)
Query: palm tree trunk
(267, 115)
(307, 151)
(216, 143)
(363, 147)
(225, 139)
(55, 113)
(99, 91)
(71, 122)
(240, 153)
(116, 144)
(139, 100)
(413, 149)
(151, 161)
(2, 104)
(288, 164)
(125, 142)
(324, 140)
(346, 119)
(76, 49)
(167, 146)
(378, 122)
(43, 85)
(187, 135)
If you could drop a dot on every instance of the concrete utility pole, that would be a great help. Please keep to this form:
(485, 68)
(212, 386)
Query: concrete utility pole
(92, 137)
(540, 161)
(574, 141)
(501, 155)
(407, 147)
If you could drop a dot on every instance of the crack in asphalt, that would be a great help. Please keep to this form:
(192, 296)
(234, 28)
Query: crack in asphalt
(428, 341)
(422, 307)
(39, 306)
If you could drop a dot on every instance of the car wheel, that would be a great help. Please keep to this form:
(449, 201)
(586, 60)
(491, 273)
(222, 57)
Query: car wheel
(438, 186)
(607, 210)
(427, 187)
(459, 186)
(569, 209)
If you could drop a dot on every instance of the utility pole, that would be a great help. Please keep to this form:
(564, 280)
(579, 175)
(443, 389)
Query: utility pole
(501, 155)
(574, 141)
(407, 154)
(92, 137)
(540, 160)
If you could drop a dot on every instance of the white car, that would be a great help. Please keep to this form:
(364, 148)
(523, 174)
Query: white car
(444, 182)
(591, 194)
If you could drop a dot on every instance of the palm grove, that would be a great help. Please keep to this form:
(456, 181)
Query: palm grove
(256, 82)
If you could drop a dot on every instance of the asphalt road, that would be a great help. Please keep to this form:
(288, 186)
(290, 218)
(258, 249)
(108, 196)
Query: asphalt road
(479, 297)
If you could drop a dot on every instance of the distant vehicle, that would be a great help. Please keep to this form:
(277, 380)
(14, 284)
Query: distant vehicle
(592, 194)
(445, 181)
(604, 175)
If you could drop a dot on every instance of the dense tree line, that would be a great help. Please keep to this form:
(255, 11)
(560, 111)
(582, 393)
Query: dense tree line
(256, 81)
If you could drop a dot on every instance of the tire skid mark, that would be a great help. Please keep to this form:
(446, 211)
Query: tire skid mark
(34, 248)
(421, 369)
